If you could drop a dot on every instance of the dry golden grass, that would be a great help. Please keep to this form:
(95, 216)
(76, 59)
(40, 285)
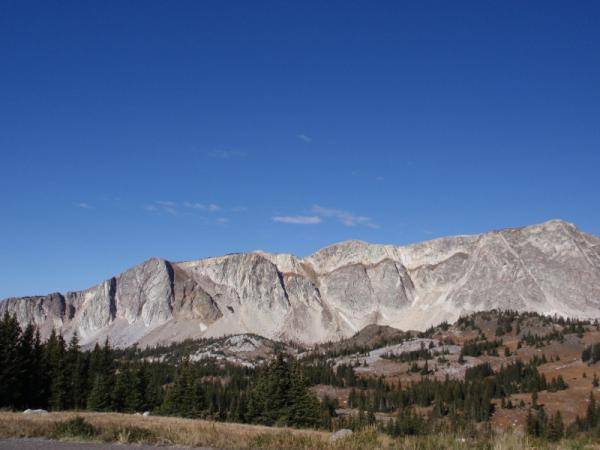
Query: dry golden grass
(164, 430)
(125, 428)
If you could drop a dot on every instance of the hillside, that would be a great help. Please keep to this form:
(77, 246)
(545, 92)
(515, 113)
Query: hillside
(492, 370)
(498, 339)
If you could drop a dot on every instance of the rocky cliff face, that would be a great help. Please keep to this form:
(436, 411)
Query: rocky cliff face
(548, 268)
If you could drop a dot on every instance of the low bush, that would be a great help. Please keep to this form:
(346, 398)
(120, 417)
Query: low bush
(77, 427)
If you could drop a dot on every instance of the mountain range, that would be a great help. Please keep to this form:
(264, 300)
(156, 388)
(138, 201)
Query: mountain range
(550, 268)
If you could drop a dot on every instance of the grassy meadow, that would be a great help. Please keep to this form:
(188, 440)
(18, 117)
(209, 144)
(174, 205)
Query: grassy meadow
(127, 428)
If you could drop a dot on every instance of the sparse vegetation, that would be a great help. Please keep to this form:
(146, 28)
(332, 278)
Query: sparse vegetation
(77, 427)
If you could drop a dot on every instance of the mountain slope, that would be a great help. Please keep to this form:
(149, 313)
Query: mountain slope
(548, 268)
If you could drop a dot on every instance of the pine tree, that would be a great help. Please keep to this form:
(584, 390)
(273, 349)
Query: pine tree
(556, 427)
(531, 424)
(96, 361)
(536, 424)
(119, 391)
(534, 399)
(99, 398)
(135, 399)
(10, 364)
(59, 386)
(38, 379)
(153, 393)
(77, 374)
(185, 397)
(27, 369)
(591, 416)
(305, 408)
(278, 404)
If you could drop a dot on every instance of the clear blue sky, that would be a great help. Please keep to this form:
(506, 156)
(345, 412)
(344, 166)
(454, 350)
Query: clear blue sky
(188, 129)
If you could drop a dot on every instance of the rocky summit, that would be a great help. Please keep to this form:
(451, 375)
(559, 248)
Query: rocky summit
(551, 268)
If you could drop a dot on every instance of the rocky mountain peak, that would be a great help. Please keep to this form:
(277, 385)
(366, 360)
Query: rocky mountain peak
(551, 268)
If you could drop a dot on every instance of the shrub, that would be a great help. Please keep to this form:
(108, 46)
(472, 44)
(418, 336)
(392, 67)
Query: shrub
(77, 427)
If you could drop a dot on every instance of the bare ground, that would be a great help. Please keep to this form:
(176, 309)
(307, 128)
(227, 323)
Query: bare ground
(46, 444)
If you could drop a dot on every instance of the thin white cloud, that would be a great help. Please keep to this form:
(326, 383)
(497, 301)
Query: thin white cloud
(298, 220)
(83, 205)
(192, 205)
(179, 209)
(222, 220)
(226, 154)
(166, 203)
(346, 218)
(212, 207)
(304, 137)
(164, 206)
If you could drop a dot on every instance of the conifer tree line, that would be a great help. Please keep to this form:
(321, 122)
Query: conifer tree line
(541, 424)
(416, 355)
(58, 375)
(470, 398)
(478, 347)
(591, 421)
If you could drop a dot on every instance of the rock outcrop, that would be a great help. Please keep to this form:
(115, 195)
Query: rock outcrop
(551, 268)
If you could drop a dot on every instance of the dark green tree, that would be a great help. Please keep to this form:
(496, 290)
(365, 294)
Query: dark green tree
(99, 398)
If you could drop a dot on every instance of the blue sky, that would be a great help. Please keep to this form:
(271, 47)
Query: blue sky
(189, 129)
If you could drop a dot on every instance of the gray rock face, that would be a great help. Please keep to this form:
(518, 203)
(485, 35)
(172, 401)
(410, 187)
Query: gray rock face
(551, 268)
(145, 293)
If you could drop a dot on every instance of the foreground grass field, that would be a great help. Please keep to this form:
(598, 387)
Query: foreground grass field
(125, 428)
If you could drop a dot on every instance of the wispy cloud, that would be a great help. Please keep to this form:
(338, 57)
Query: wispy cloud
(83, 205)
(211, 207)
(321, 213)
(165, 203)
(222, 220)
(345, 217)
(304, 137)
(226, 154)
(188, 208)
(298, 220)
(164, 206)
(194, 205)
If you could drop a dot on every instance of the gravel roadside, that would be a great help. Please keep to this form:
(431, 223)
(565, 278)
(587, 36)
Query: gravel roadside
(45, 444)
